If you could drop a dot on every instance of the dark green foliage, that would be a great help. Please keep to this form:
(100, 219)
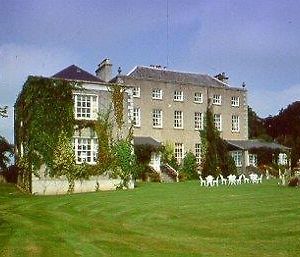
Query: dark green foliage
(285, 129)
(188, 166)
(6, 151)
(210, 137)
(256, 126)
(216, 157)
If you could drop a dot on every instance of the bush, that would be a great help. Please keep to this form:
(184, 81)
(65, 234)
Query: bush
(189, 166)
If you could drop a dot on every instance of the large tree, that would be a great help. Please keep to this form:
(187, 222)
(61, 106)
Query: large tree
(216, 158)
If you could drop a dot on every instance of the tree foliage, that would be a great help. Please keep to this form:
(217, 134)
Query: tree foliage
(188, 166)
(285, 129)
(215, 155)
(6, 151)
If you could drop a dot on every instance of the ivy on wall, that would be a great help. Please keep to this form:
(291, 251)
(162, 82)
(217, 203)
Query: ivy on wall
(45, 125)
(44, 110)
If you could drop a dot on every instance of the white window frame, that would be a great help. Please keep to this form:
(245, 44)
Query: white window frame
(218, 121)
(179, 152)
(198, 152)
(198, 120)
(157, 118)
(217, 99)
(252, 159)
(157, 93)
(178, 119)
(235, 123)
(86, 149)
(136, 117)
(85, 106)
(237, 157)
(178, 96)
(282, 159)
(235, 101)
(198, 97)
(136, 92)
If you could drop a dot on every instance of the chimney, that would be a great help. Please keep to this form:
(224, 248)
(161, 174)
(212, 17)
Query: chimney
(103, 71)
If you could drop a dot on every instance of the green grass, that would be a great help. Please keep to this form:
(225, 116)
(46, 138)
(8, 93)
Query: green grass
(178, 219)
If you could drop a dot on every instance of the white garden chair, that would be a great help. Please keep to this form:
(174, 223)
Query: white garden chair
(209, 181)
(253, 178)
(246, 180)
(202, 181)
(239, 180)
(216, 182)
(259, 180)
(223, 180)
(231, 180)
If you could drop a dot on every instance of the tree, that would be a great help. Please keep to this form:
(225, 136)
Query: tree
(256, 126)
(6, 151)
(3, 111)
(209, 138)
(216, 158)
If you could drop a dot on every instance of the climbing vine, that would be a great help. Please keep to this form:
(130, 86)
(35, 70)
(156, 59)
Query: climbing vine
(45, 126)
(117, 96)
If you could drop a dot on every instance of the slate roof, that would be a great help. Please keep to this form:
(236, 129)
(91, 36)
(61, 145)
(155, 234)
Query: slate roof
(146, 141)
(254, 144)
(141, 72)
(75, 73)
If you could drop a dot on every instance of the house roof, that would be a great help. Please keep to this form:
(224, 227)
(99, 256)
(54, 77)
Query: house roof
(75, 73)
(254, 144)
(160, 74)
(146, 141)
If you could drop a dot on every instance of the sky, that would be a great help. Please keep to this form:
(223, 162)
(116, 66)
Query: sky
(253, 41)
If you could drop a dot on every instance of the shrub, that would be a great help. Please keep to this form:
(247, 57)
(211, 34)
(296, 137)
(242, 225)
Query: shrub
(189, 166)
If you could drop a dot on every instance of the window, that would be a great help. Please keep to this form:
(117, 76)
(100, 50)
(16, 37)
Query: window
(198, 97)
(157, 93)
(136, 119)
(237, 157)
(198, 153)
(178, 119)
(178, 95)
(252, 160)
(235, 123)
(157, 118)
(86, 150)
(282, 159)
(86, 106)
(217, 99)
(218, 121)
(136, 92)
(178, 152)
(235, 101)
(198, 121)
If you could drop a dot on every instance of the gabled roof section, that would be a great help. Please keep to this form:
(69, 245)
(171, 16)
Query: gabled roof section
(141, 72)
(75, 73)
(146, 141)
(256, 143)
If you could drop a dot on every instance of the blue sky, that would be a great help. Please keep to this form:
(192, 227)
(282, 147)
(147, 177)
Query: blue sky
(253, 41)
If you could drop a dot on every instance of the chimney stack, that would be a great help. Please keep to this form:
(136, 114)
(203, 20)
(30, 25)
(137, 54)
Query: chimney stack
(104, 70)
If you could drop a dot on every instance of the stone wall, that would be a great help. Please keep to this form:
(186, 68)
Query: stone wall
(51, 186)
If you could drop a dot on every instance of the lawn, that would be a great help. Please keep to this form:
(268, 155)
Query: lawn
(178, 219)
